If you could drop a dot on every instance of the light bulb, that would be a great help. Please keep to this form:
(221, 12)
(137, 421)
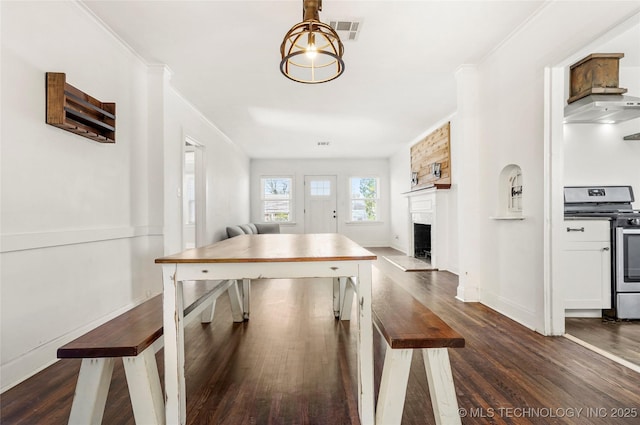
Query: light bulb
(311, 50)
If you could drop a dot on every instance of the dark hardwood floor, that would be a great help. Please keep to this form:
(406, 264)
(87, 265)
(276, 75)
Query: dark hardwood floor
(621, 338)
(292, 363)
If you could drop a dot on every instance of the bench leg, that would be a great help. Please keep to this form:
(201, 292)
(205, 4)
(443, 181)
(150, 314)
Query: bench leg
(207, 314)
(441, 388)
(347, 298)
(91, 391)
(236, 302)
(208, 308)
(339, 285)
(393, 386)
(144, 388)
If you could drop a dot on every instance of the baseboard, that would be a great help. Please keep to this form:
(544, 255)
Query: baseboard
(508, 308)
(43, 356)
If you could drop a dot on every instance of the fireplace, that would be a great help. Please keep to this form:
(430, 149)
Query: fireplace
(422, 241)
(423, 234)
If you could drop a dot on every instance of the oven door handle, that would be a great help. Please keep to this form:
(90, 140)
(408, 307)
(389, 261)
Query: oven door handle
(575, 229)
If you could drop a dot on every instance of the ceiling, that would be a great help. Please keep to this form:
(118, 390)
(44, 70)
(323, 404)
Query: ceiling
(398, 80)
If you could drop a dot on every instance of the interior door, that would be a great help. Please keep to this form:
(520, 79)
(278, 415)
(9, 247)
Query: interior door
(320, 204)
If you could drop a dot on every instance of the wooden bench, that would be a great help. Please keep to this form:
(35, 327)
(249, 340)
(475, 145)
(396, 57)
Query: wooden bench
(135, 336)
(406, 325)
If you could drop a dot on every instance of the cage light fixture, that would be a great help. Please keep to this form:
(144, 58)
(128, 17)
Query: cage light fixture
(311, 50)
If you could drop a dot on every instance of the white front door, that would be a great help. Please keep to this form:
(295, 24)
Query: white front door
(320, 204)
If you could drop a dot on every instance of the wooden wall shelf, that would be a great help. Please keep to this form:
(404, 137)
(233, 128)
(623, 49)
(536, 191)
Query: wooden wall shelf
(73, 110)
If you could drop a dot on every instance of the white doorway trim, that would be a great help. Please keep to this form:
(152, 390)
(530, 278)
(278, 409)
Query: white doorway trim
(553, 294)
(191, 145)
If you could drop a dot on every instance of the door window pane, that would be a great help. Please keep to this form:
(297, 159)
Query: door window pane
(320, 188)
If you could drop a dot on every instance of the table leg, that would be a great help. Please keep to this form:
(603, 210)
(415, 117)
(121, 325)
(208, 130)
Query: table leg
(336, 297)
(365, 346)
(173, 316)
(235, 299)
(246, 298)
(339, 287)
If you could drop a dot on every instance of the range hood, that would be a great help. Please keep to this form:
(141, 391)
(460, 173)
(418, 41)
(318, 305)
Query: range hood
(602, 109)
(594, 92)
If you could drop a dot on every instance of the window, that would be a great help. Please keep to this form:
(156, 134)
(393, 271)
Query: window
(320, 188)
(276, 199)
(364, 198)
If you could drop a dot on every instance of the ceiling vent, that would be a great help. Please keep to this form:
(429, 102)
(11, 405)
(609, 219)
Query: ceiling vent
(347, 30)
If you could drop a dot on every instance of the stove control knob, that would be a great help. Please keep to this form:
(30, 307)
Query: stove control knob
(634, 221)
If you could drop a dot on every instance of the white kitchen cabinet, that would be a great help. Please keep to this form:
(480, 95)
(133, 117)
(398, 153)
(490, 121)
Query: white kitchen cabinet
(586, 265)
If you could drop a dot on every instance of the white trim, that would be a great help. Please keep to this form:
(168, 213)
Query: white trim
(190, 143)
(613, 357)
(37, 240)
(43, 356)
(199, 113)
(521, 27)
(553, 292)
(82, 6)
(448, 118)
(290, 199)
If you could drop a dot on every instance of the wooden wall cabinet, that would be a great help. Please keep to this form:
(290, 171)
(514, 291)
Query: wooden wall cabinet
(598, 73)
(73, 110)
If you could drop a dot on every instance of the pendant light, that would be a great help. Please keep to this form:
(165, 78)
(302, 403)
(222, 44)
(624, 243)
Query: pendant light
(311, 51)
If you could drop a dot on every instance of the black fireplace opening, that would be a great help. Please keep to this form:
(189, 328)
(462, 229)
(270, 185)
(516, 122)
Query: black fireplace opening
(422, 241)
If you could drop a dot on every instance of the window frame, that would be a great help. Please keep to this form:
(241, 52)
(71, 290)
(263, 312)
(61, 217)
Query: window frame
(289, 200)
(375, 199)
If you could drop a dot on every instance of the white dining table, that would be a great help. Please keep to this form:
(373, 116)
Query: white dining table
(267, 256)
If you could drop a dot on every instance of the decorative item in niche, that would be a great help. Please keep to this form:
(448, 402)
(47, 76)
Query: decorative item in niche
(73, 110)
(510, 191)
(515, 189)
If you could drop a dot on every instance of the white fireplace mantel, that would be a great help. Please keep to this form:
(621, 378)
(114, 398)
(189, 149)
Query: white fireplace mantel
(432, 206)
(422, 210)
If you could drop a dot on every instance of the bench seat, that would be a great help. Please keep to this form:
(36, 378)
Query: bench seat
(132, 332)
(405, 322)
(135, 336)
(407, 325)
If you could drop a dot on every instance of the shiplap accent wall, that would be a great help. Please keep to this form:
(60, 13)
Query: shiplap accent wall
(434, 148)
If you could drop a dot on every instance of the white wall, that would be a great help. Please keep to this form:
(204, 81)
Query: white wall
(227, 173)
(77, 245)
(367, 234)
(400, 182)
(82, 222)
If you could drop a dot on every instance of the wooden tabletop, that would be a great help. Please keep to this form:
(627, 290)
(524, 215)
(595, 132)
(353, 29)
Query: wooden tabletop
(275, 248)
